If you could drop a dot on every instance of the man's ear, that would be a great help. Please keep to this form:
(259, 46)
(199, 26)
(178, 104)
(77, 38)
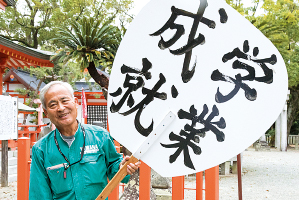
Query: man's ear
(45, 111)
(76, 100)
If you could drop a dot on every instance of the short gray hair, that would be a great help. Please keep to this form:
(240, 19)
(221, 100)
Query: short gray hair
(49, 85)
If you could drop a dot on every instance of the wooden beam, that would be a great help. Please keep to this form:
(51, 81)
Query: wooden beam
(4, 165)
(1, 78)
(2, 5)
(25, 58)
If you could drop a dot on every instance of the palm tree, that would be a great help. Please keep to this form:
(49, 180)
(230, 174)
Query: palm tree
(91, 45)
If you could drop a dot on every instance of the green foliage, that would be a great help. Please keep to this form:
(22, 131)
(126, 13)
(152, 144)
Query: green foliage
(34, 23)
(280, 24)
(24, 21)
(271, 133)
(25, 92)
(238, 6)
(295, 128)
(88, 41)
(29, 102)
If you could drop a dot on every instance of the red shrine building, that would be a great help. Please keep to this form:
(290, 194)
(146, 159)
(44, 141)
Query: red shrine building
(96, 103)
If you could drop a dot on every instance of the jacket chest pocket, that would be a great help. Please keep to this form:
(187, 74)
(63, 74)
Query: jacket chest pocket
(94, 168)
(60, 182)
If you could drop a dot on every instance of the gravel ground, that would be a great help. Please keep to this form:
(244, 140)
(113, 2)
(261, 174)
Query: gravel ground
(9, 192)
(271, 175)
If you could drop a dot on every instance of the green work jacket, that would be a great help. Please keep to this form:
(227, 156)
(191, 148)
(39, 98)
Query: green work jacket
(84, 180)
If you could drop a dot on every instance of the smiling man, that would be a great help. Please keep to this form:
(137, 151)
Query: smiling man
(74, 160)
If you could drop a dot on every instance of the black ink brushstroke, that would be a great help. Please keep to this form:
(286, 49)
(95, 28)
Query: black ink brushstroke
(143, 131)
(174, 92)
(146, 65)
(272, 60)
(239, 54)
(268, 73)
(144, 71)
(207, 123)
(180, 31)
(116, 93)
(186, 73)
(255, 51)
(150, 95)
(131, 87)
(198, 132)
(268, 78)
(188, 47)
(130, 101)
(235, 53)
(223, 16)
(133, 83)
(251, 71)
(167, 24)
(246, 46)
(210, 23)
(221, 123)
(250, 94)
(192, 41)
(192, 134)
(182, 145)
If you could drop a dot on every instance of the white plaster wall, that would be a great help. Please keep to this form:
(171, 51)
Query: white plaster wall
(16, 86)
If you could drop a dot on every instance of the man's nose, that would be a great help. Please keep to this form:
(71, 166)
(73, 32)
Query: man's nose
(60, 107)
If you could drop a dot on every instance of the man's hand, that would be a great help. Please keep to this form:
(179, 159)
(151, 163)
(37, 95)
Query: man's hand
(131, 167)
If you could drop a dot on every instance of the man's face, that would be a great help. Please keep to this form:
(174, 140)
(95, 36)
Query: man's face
(60, 107)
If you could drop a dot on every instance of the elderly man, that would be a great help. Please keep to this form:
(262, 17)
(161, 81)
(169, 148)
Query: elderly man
(74, 160)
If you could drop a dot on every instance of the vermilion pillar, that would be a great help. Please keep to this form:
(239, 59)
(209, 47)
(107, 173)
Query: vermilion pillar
(178, 184)
(1, 78)
(212, 183)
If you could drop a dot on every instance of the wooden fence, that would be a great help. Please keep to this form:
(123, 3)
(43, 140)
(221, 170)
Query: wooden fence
(294, 140)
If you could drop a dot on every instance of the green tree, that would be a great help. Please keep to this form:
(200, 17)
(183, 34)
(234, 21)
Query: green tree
(280, 24)
(33, 23)
(92, 44)
(23, 23)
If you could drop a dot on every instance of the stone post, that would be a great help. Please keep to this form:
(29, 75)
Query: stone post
(283, 137)
(283, 134)
(277, 132)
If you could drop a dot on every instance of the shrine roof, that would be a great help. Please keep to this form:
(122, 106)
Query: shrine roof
(10, 2)
(44, 55)
(85, 86)
(16, 55)
(24, 77)
(32, 82)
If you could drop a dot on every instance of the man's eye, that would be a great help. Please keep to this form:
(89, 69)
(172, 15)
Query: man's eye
(52, 105)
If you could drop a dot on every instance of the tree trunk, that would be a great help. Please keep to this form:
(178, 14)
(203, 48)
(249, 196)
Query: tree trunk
(100, 79)
(35, 37)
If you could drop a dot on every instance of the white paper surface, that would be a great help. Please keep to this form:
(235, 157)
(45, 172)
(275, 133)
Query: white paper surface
(8, 118)
(245, 120)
